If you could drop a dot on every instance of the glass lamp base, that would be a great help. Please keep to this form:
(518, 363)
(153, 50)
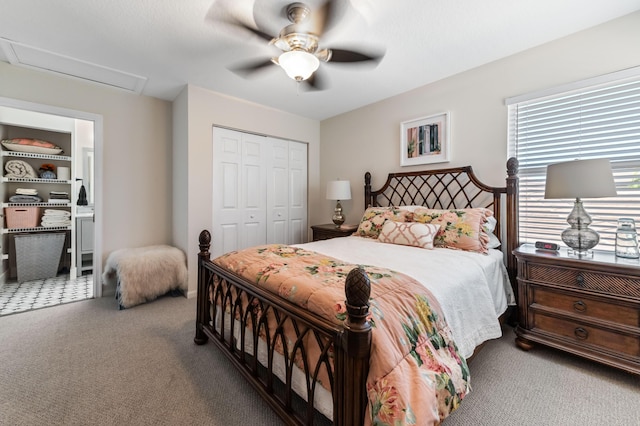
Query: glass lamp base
(338, 218)
(584, 254)
(580, 238)
(580, 241)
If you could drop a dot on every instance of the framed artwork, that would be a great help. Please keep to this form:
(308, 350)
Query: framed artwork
(425, 140)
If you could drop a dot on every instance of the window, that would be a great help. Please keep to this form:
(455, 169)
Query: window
(595, 118)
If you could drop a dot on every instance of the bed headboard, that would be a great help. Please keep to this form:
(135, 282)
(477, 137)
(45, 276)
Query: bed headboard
(455, 188)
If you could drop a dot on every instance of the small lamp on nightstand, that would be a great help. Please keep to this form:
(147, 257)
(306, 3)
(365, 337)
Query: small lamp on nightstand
(580, 179)
(338, 190)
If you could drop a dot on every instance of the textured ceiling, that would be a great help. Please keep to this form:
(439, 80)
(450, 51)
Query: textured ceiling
(172, 43)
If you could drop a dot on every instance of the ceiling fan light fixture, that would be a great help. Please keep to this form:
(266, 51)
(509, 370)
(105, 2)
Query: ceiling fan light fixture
(298, 64)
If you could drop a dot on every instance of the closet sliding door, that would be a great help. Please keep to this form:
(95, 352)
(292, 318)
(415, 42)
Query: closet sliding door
(259, 191)
(239, 202)
(297, 193)
(286, 192)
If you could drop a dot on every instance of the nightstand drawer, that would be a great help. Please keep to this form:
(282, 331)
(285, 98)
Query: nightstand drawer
(586, 306)
(319, 235)
(578, 304)
(605, 283)
(328, 231)
(588, 335)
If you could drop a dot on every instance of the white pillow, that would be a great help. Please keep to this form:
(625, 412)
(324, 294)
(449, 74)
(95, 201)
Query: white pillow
(409, 234)
(490, 224)
(494, 242)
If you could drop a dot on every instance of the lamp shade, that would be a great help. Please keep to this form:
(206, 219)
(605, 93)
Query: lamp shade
(580, 179)
(339, 190)
(298, 64)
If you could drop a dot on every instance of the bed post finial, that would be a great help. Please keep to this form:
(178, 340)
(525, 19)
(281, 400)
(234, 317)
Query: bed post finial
(350, 396)
(367, 191)
(358, 291)
(512, 166)
(205, 244)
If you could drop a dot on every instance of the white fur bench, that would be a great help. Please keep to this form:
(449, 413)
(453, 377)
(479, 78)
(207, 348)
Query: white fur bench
(145, 273)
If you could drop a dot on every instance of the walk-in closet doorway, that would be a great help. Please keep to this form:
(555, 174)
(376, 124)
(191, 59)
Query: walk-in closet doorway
(85, 161)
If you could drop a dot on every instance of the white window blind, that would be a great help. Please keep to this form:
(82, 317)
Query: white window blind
(594, 121)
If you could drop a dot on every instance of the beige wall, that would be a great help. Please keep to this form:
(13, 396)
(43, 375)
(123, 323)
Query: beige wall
(136, 151)
(206, 109)
(157, 155)
(368, 139)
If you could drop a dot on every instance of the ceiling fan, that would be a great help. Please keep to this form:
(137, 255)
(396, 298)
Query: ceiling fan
(299, 43)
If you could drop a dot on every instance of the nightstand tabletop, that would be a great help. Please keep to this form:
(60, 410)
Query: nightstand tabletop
(333, 227)
(601, 259)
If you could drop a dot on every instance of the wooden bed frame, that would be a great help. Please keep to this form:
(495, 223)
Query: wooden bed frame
(350, 343)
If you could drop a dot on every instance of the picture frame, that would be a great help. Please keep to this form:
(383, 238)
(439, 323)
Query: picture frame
(425, 140)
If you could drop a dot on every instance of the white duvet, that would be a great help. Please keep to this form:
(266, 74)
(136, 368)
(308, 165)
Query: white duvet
(473, 289)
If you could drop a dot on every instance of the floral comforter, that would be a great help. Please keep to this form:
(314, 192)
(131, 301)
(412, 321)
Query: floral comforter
(416, 375)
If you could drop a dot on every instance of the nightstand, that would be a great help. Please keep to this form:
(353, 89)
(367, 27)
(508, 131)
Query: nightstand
(328, 231)
(589, 307)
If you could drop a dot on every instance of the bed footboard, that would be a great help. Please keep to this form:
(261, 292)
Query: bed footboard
(239, 316)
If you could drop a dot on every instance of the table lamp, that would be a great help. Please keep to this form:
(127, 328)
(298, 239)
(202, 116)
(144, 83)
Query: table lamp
(338, 190)
(580, 179)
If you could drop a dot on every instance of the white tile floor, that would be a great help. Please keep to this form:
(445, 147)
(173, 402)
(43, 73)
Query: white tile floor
(21, 297)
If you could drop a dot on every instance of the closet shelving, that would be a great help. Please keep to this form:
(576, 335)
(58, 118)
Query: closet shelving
(37, 182)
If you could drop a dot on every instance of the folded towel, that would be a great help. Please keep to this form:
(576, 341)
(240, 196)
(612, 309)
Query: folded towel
(55, 225)
(56, 219)
(56, 213)
(26, 191)
(25, 199)
(49, 224)
(19, 169)
(59, 200)
(59, 195)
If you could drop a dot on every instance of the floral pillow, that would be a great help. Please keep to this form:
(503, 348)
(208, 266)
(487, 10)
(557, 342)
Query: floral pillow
(461, 229)
(409, 234)
(374, 219)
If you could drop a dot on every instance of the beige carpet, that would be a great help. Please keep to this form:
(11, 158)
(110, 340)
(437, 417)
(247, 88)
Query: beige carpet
(86, 363)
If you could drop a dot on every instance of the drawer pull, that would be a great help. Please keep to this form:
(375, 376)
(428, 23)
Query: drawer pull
(581, 333)
(579, 306)
(580, 280)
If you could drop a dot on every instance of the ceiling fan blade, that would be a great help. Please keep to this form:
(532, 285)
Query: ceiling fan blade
(342, 55)
(327, 16)
(316, 82)
(249, 68)
(255, 31)
(214, 15)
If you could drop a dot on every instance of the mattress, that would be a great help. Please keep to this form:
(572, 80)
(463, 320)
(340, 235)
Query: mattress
(473, 288)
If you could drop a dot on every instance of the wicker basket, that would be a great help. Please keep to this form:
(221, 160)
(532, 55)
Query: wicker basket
(38, 255)
(22, 217)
